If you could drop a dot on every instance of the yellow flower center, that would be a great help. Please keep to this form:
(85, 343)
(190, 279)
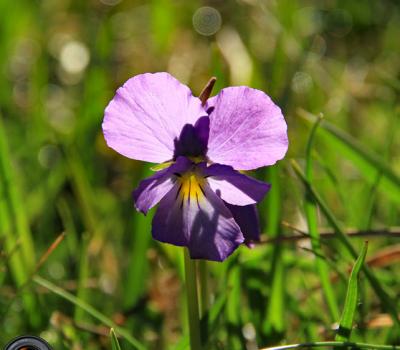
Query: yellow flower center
(191, 186)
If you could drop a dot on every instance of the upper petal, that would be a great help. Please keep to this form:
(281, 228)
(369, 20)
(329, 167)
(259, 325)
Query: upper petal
(193, 140)
(201, 222)
(234, 187)
(147, 115)
(151, 190)
(247, 130)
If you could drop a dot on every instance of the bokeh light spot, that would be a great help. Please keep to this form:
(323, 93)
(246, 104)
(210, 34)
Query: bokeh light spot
(301, 82)
(74, 57)
(207, 20)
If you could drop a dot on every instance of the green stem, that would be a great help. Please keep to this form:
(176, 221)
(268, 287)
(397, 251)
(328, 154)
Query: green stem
(335, 344)
(192, 302)
(204, 294)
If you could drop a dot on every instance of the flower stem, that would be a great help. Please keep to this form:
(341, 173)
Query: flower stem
(192, 302)
(203, 280)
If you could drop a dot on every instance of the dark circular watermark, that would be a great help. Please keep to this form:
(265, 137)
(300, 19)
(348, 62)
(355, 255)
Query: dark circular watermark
(27, 343)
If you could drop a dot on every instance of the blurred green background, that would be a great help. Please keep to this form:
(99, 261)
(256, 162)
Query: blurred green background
(61, 62)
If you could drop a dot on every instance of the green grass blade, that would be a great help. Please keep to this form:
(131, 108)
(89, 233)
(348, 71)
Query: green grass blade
(89, 309)
(84, 274)
(14, 228)
(274, 322)
(350, 305)
(387, 301)
(114, 340)
(209, 321)
(83, 191)
(138, 267)
(16, 204)
(369, 163)
(311, 216)
(183, 343)
(211, 318)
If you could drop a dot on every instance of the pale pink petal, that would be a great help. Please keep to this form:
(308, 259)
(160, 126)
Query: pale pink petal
(247, 130)
(147, 115)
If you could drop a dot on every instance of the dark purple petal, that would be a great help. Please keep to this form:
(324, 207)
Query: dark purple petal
(234, 187)
(247, 219)
(151, 190)
(247, 130)
(202, 223)
(192, 141)
(147, 115)
(168, 225)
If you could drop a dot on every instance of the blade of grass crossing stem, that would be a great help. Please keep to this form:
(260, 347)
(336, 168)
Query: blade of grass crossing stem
(114, 340)
(350, 304)
(369, 163)
(311, 216)
(88, 309)
(274, 322)
(14, 227)
(386, 300)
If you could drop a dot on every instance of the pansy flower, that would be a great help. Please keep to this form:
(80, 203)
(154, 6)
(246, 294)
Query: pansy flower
(204, 202)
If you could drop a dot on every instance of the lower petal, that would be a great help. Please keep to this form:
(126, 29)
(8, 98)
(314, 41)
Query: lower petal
(168, 225)
(203, 224)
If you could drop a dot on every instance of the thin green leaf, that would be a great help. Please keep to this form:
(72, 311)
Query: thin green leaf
(370, 164)
(350, 305)
(89, 309)
(384, 297)
(114, 340)
(311, 216)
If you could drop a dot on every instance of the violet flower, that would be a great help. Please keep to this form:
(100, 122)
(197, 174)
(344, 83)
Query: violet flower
(204, 202)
